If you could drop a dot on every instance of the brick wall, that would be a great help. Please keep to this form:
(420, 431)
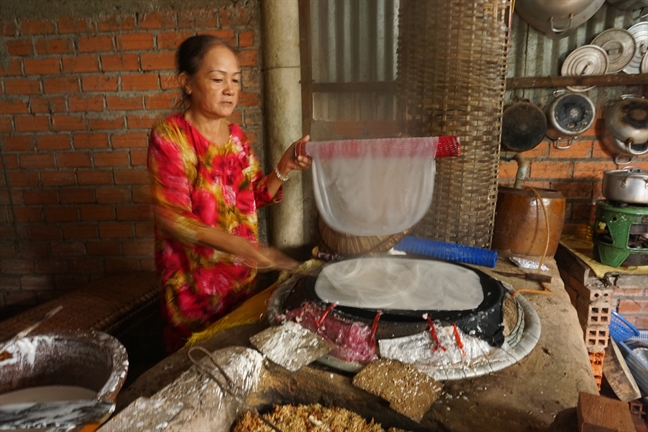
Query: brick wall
(78, 97)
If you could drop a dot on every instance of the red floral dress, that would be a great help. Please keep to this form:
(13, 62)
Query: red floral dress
(196, 183)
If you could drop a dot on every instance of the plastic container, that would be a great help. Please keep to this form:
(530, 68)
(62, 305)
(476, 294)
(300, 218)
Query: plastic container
(448, 251)
(621, 329)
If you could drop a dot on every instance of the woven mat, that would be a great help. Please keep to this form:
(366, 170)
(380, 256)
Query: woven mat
(101, 305)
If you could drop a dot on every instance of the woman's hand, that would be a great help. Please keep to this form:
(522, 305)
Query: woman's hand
(267, 258)
(291, 160)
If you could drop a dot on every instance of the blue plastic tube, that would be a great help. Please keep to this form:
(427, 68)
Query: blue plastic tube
(448, 251)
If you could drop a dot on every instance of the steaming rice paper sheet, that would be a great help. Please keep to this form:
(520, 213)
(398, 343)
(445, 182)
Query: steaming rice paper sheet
(400, 284)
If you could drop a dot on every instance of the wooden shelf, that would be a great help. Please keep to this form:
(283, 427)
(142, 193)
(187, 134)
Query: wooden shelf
(585, 81)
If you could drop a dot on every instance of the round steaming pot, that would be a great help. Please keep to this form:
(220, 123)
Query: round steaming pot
(557, 18)
(568, 116)
(627, 127)
(629, 185)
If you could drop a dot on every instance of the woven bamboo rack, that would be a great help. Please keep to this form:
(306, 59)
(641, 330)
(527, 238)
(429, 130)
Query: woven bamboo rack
(451, 81)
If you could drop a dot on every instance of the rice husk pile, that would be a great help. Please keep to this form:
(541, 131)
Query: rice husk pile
(309, 418)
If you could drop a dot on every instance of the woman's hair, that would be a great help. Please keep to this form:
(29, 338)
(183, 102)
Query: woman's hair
(192, 51)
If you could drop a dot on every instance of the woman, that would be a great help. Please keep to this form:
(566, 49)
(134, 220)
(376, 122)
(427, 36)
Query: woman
(207, 185)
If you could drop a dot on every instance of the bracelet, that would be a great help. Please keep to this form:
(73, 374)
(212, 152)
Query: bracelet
(278, 174)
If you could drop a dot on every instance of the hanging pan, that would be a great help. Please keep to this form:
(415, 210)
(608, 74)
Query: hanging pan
(524, 126)
(568, 116)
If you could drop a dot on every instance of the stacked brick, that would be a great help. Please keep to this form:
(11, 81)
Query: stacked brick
(592, 299)
(78, 97)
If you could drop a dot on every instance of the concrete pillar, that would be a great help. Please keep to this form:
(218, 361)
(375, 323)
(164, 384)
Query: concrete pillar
(283, 114)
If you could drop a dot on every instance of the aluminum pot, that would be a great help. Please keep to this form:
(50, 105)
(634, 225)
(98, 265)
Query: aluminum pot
(627, 120)
(629, 185)
(568, 116)
(557, 18)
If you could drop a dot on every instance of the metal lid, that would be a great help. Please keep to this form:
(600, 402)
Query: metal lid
(586, 60)
(619, 44)
(640, 33)
(644, 63)
(573, 113)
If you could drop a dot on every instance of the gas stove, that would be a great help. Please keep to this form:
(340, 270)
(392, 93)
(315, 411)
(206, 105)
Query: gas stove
(620, 234)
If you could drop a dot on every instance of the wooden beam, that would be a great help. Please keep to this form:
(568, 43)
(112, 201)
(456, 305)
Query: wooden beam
(586, 81)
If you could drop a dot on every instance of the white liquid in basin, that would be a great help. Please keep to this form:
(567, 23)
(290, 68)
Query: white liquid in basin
(47, 394)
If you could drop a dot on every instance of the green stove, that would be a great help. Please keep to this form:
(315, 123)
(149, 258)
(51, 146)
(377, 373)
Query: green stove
(620, 234)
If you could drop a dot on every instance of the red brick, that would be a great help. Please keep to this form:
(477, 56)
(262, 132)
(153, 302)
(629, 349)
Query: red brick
(132, 177)
(90, 140)
(138, 247)
(163, 101)
(550, 169)
(36, 27)
(66, 84)
(85, 265)
(68, 249)
(73, 160)
(144, 230)
(62, 122)
(253, 99)
(107, 123)
(235, 17)
(86, 63)
(113, 195)
(84, 104)
(116, 23)
(116, 230)
(52, 142)
(22, 86)
(134, 213)
(76, 196)
(578, 150)
(135, 42)
(236, 117)
(227, 35)
(8, 28)
(55, 46)
(33, 249)
(31, 123)
(629, 306)
(592, 169)
(58, 178)
(72, 25)
(158, 61)
(13, 68)
(97, 212)
(46, 66)
(103, 248)
(15, 266)
(95, 44)
(248, 58)
(129, 140)
(169, 81)
(99, 83)
(36, 283)
(571, 189)
(121, 103)
(111, 159)
(141, 194)
(156, 20)
(246, 39)
(142, 121)
(119, 265)
(28, 214)
(5, 124)
(54, 104)
(18, 143)
(139, 82)
(94, 177)
(80, 231)
(50, 266)
(251, 78)
(204, 18)
(36, 160)
(61, 214)
(119, 63)
(23, 179)
(172, 40)
(7, 250)
(39, 197)
(138, 157)
(20, 47)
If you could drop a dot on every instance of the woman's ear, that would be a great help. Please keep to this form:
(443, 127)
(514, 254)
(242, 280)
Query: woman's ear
(185, 82)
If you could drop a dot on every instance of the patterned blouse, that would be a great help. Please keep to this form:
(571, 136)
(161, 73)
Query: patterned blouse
(194, 184)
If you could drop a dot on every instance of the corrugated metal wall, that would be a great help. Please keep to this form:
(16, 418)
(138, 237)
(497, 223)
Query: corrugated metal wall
(534, 54)
(354, 41)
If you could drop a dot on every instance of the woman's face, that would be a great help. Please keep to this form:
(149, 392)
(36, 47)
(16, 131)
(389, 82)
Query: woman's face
(214, 89)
